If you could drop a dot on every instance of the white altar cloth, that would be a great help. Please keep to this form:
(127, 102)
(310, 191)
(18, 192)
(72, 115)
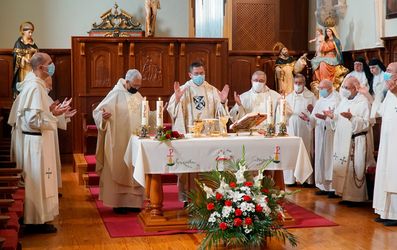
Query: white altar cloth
(148, 156)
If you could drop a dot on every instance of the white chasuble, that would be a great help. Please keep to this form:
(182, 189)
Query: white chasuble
(253, 102)
(198, 102)
(349, 154)
(117, 186)
(385, 191)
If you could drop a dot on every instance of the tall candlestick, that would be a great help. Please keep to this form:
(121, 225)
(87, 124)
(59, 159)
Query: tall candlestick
(269, 111)
(159, 113)
(145, 112)
(282, 110)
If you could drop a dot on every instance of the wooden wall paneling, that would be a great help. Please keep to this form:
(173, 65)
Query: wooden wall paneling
(390, 49)
(293, 24)
(241, 69)
(255, 24)
(6, 75)
(156, 62)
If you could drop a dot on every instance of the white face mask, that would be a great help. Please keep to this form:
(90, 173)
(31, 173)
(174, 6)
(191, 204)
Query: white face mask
(258, 86)
(345, 93)
(298, 88)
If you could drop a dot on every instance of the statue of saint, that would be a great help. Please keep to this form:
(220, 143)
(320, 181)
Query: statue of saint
(151, 7)
(285, 68)
(24, 49)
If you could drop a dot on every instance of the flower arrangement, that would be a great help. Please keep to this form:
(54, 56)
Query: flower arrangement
(237, 209)
(170, 135)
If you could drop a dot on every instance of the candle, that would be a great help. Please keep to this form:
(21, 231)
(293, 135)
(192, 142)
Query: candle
(269, 110)
(282, 110)
(145, 112)
(159, 113)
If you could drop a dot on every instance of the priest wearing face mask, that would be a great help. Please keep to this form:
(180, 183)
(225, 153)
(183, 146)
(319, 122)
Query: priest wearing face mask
(351, 124)
(301, 101)
(255, 99)
(196, 99)
(34, 121)
(117, 117)
(323, 136)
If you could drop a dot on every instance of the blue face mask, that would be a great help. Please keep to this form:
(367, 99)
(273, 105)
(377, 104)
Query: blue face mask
(323, 93)
(51, 69)
(387, 76)
(198, 80)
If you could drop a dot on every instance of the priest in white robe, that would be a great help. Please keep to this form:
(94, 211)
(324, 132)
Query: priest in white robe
(323, 137)
(302, 102)
(196, 99)
(255, 99)
(385, 191)
(117, 117)
(37, 124)
(351, 124)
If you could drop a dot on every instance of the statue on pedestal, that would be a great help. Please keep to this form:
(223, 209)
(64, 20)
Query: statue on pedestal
(151, 7)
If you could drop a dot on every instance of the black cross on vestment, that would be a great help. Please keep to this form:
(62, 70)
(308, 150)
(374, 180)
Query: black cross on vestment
(343, 160)
(48, 173)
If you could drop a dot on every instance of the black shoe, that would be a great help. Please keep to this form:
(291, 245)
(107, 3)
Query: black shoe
(307, 185)
(39, 229)
(332, 195)
(321, 192)
(133, 209)
(291, 185)
(380, 220)
(120, 210)
(344, 203)
(390, 223)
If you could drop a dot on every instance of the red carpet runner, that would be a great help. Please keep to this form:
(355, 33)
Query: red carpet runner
(128, 225)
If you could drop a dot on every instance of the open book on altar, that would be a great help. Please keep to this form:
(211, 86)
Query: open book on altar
(248, 121)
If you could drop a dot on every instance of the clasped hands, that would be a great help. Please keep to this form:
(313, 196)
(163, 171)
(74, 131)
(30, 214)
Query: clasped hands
(58, 108)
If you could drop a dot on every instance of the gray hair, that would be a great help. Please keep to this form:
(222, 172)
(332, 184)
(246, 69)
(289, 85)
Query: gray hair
(259, 72)
(300, 76)
(132, 74)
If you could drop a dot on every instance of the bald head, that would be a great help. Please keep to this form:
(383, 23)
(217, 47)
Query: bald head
(392, 68)
(327, 84)
(38, 59)
(352, 84)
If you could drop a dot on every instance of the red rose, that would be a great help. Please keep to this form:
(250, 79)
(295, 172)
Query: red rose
(175, 134)
(218, 196)
(238, 212)
(267, 199)
(265, 190)
(210, 206)
(248, 184)
(258, 208)
(246, 198)
(279, 216)
(248, 221)
(228, 203)
(237, 222)
(168, 136)
(232, 184)
(223, 226)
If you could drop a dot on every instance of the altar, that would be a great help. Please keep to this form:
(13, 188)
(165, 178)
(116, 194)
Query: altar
(149, 158)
